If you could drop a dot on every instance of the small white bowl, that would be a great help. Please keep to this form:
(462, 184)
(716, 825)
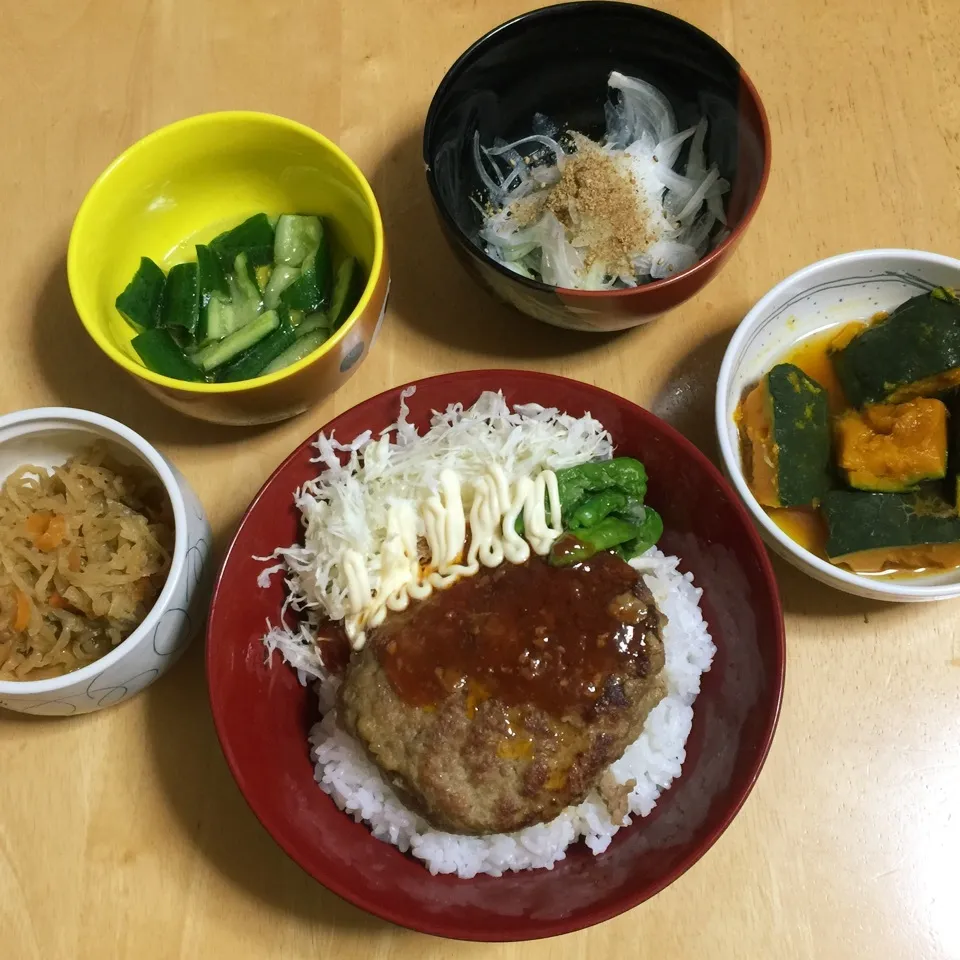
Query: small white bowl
(47, 437)
(853, 286)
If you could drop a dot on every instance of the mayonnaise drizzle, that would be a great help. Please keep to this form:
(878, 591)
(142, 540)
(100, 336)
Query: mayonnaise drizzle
(493, 506)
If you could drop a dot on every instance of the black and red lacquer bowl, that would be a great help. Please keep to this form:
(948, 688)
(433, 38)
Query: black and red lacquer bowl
(556, 61)
(263, 715)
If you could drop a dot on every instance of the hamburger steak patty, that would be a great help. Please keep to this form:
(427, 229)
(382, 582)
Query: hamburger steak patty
(494, 704)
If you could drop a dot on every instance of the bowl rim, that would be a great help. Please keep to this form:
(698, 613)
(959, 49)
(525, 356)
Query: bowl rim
(704, 264)
(833, 575)
(105, 426)
(449, 928)
(88, 211)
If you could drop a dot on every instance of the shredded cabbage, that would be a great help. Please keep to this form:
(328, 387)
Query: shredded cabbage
(346, 507)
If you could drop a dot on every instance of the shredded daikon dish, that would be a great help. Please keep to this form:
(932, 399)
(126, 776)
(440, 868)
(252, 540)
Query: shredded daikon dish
(406, 513)
(84, 552)
(582, 215)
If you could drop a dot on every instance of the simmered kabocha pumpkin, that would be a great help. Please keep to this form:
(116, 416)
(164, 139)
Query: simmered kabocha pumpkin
(886, 498)
(869, 532)
(913, 352)
(785, 424)
(893, 447)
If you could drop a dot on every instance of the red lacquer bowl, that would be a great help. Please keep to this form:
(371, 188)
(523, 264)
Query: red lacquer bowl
(262, 714)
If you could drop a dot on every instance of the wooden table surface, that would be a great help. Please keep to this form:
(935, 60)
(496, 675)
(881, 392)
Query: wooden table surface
(122, 833)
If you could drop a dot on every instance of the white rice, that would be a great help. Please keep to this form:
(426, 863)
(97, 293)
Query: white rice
(653, 760)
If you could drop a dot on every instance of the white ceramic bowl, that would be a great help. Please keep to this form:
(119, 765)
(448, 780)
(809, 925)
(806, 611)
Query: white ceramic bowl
(47, 437)
(853, 286)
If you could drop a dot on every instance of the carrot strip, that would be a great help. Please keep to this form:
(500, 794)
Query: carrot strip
(36, 524)
(22, 620)
(54, 535)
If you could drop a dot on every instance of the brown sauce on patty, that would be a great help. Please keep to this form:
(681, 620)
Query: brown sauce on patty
(554, 638)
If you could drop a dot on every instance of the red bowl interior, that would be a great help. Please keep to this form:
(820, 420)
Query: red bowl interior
(262, 714)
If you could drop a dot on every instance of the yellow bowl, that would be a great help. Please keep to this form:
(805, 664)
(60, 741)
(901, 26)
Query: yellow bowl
(189, 181)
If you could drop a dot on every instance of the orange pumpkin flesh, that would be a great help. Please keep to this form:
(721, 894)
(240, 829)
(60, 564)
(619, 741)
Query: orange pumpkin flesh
(756, 427)
(893, 447)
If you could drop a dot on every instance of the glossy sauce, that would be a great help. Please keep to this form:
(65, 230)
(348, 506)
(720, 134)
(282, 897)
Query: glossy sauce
(333, 647)
(803, 525)
(526, 634)
(567, 546)
(811, 357)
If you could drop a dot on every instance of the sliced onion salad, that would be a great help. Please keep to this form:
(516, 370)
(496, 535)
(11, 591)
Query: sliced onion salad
(684, 208)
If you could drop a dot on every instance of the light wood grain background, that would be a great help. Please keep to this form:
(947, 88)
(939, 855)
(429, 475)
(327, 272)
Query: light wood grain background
(122, 833)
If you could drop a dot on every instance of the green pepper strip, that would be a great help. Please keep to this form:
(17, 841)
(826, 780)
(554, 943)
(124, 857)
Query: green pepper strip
(630, 539)
(595, 508)
(606, 534)
(651, 529)
(623, 473)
